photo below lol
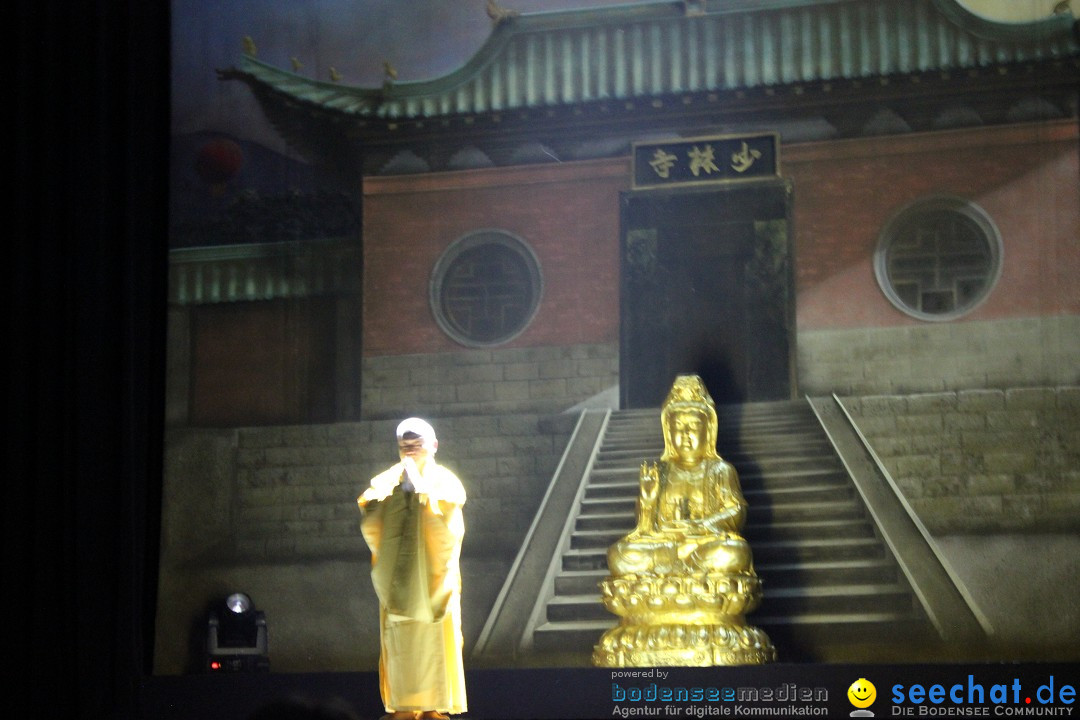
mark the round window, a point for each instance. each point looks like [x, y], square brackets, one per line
[486, 288]
[938, 258]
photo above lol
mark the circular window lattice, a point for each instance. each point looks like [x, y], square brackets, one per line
[486, 288]
[939, 258]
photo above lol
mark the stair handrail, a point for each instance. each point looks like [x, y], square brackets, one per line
[548, 586]
[879, 467]
[485, 637]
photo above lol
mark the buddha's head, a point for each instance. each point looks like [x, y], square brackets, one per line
[689, 423]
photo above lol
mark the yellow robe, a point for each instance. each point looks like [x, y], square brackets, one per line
[415, 541]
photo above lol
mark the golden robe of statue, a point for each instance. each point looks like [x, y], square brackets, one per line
[683, 579]
[414, 532]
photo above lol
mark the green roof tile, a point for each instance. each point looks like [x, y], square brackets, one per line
[637, 51]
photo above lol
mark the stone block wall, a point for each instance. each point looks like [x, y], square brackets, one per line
[488, 382]
[283, 494]
[981, 460]
[933, 357]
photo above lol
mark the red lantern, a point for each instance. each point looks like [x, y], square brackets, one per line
[218, 162]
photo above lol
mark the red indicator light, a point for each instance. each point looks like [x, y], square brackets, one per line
[215, 665]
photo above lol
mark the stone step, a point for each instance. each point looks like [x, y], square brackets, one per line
[860, 527]
[726, 414]
[793, 511]
[763, 450]
[732, 417]
[773, 512]
[626, 485]
[653, 440]
[632, 447]
[847, 599]
[727, 427]
[754, 477]
[746, 469]
[810, 493]
[622, 523]
[583, 537]
[652, 437]
[764, 552]
[773, 575]
[779, 490]
[757, 527]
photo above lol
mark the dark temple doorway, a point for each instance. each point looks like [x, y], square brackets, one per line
[707, 289]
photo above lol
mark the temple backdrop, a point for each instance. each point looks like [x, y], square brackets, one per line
[322, 259]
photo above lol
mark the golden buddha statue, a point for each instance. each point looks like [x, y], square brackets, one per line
[683, 579]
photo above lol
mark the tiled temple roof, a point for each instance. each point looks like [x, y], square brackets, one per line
[668, 48]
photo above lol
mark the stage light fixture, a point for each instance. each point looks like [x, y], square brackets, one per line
[236, 637]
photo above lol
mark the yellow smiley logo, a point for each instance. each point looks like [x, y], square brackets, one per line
[862, 693]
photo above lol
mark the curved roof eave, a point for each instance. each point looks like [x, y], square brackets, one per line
[632, 51]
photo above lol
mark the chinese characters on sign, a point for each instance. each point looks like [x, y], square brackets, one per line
[723, 159]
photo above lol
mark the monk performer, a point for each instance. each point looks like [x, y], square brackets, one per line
[411, 520]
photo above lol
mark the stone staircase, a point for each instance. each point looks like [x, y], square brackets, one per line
[831, 583]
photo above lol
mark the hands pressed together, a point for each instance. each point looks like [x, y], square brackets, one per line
[411, 480]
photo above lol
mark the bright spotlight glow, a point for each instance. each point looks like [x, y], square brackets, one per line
[238, 603]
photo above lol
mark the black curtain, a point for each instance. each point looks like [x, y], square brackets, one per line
[85, 349]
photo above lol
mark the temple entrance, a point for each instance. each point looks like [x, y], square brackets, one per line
[707, 289]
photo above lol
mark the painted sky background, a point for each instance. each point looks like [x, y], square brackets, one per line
[423, 39]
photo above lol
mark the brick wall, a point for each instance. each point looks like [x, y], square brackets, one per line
[288, 493]
[567, 213]
[981, 460]
[482, 382]
[1023, 176]
[851, 339]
